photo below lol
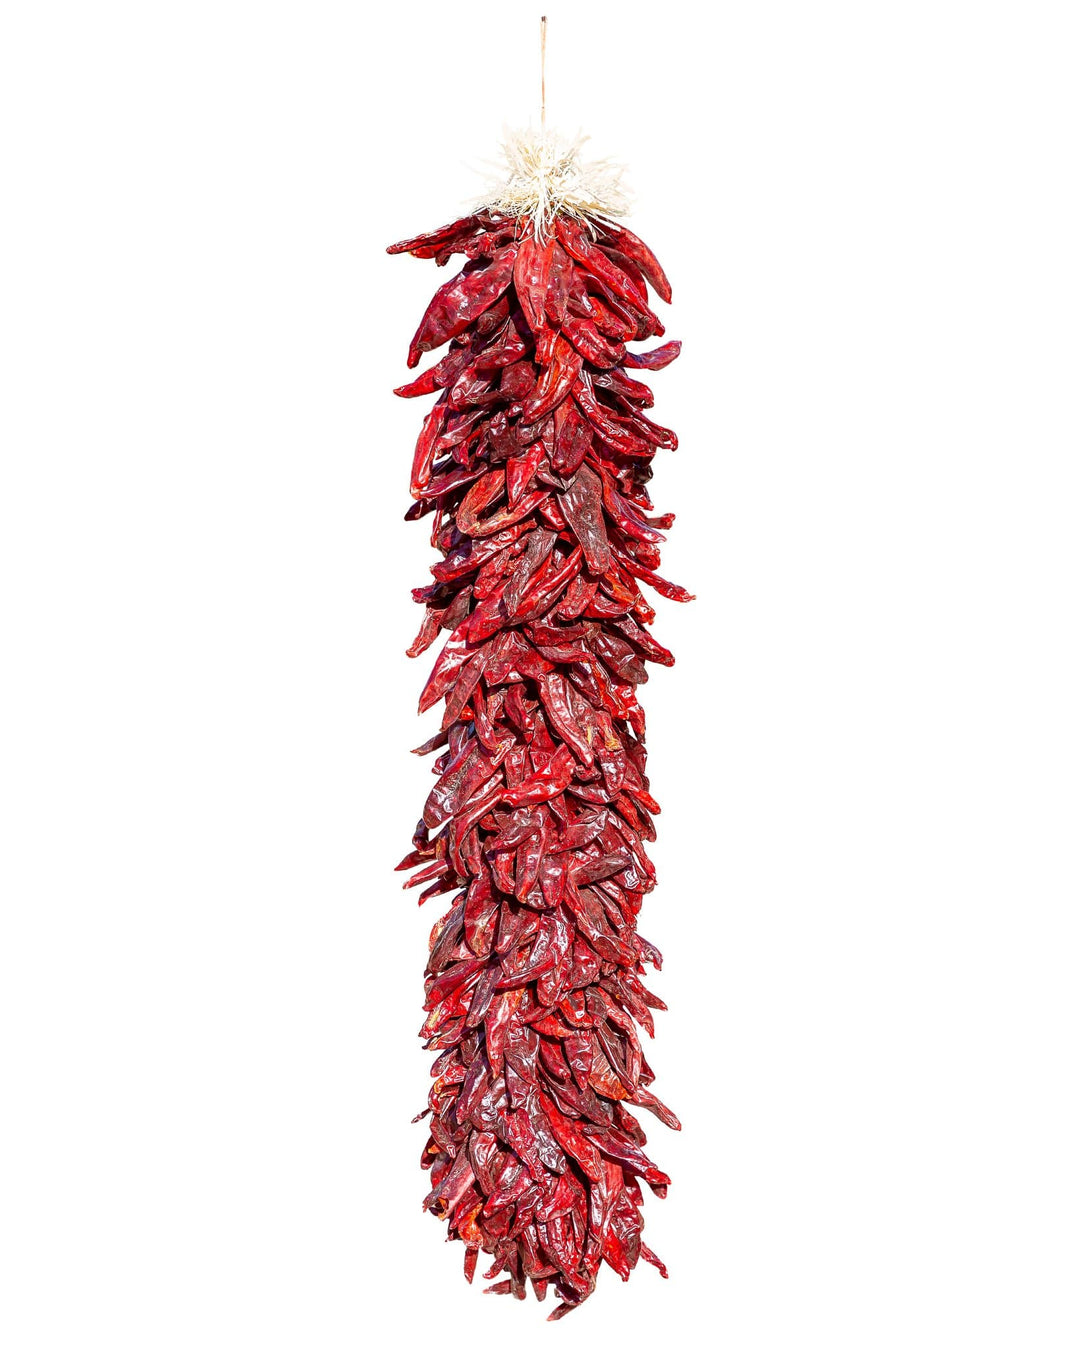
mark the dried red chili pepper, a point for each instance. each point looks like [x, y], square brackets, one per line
[533, 462]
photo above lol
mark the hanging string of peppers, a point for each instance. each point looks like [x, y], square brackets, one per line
[533, 464]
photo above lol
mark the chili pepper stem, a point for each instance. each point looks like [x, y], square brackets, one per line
[543, 176]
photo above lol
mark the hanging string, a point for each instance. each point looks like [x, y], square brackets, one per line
[543, 72]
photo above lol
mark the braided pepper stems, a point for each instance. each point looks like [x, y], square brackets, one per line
[533, 464]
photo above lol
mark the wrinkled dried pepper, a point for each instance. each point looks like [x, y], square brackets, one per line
[533, 465]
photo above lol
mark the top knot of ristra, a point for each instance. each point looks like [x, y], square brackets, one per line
[542, 175]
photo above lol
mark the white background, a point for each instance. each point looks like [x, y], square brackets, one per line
[867, 752]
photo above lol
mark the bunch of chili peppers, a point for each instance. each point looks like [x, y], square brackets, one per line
[533, 464]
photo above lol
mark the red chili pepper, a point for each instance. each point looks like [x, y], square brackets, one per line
[532, 463]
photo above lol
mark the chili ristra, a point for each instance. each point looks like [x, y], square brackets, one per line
[533, 465]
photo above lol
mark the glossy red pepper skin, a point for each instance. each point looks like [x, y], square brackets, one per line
[533, 463]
